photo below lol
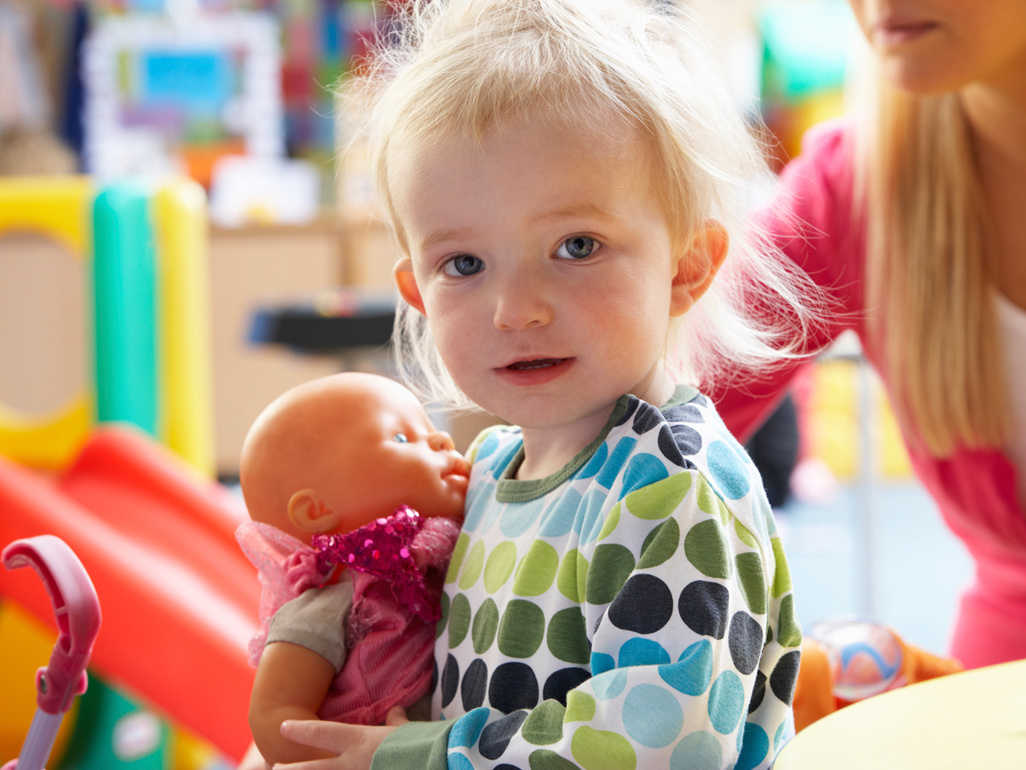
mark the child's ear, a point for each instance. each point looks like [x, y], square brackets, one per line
[407, 283]
[697, 265]
[309, 514]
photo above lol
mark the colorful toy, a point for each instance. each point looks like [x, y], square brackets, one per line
[146, 247]
[77, 611]
[848, 659]
[330, 523]
[159, 544]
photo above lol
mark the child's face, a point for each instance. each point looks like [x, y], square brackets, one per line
[545, 264]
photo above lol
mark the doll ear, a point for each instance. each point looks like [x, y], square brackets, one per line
[309, 514]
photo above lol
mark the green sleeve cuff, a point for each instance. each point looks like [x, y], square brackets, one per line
[415, 746]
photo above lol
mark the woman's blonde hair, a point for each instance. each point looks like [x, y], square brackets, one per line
[466, 67]
[929, 270]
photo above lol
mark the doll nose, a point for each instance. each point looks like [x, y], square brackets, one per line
[440, 441]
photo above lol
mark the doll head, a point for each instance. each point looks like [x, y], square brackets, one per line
[335, 453]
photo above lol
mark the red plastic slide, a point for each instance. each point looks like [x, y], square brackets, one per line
[179, 599]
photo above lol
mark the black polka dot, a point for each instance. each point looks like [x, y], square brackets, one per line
[745, 642]
[703, 606]
[685, 413]
[675, 441]
[784, 676]
[497, 735]
[505, 766]
[632, 404]
[643, 606]
[563, 681]
[758, 691]
[513, 686]
[450, 680]
[472, 690]
[646, 419]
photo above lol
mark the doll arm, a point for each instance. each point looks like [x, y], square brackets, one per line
[291, 682]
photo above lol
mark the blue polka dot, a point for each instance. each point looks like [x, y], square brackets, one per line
[459, 762]
[643, 652]
[559, 518]
[517, 519]
[589, 520]
[697, 751]
[609, 684]
[693, 672]
[642, 470]
[476, 509]
[467, 729]
[622, 451]
[726, 702]
[601, 663]
[489, 445]
[595, 463]
[652, 716]
[779, 736]
[728, 470]
[754, 749]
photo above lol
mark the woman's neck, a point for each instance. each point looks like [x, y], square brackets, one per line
[998, 121]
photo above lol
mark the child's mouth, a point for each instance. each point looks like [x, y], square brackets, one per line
[538, 363]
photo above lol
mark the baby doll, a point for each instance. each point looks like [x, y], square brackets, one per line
[355, 499]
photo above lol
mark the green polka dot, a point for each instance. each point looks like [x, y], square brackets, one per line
[705, 496]
[521, 629]
[472, 566]
[745, 534]
[753, 583]
[660, 545]
[544, 725]
[789, 631]
[659, 500]
[781, 572]
[706, 548]
[612, 519]
[442, 621]
[580, 707]
[457, 557]
[537, 570]
[567, 637]
[602, 750]
[499, 566]
[611, 565]
[459, 620]
[544, 759]
[486, 622]
[566, 578]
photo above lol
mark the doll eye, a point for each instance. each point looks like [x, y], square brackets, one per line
[400, 438]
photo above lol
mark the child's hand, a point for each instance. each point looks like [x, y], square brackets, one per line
[354, 744]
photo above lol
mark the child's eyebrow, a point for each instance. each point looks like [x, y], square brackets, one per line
[575, 211]
[441, 236]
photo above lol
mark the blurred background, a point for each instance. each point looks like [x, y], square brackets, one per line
[180, 243]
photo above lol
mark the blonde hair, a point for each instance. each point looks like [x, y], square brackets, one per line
[929, 286]
[467, 67]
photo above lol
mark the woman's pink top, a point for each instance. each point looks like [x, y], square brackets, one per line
[812, 222]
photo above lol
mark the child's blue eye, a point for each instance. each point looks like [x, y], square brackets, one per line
[400, 438]
[463, 265]
[577, 247]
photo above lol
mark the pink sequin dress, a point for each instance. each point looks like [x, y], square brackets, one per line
[397, 565]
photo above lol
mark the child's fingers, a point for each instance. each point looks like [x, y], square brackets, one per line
[396, 716]
[329, 736]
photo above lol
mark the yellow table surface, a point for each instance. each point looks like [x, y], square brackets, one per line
[976, 719]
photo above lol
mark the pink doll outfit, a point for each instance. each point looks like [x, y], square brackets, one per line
[396, 564]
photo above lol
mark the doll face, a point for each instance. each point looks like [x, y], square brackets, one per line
[387, 454]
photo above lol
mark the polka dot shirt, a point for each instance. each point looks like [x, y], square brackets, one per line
[632, 611]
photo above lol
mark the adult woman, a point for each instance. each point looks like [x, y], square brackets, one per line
[913, 221]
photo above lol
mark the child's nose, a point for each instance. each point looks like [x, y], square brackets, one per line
[522, 302]
[440, 441]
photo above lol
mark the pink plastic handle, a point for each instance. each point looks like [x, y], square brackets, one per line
[77, 610]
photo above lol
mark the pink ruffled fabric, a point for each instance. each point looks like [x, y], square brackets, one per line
[397, 564]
